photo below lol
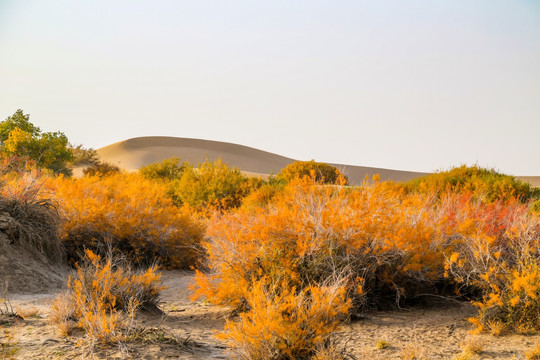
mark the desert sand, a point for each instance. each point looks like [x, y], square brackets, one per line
[436, 331]
[134, 153]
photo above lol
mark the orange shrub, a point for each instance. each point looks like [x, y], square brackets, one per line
[285, 324]
[322, 172]
[103, 298]
[388, 246]
[499, 254]
[129, 214]
[378, 239]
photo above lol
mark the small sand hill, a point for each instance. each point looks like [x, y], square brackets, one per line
[134, 153]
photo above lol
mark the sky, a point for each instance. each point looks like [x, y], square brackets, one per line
[417, 85]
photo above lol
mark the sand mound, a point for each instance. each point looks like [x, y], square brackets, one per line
[26, 272]
[134, 153]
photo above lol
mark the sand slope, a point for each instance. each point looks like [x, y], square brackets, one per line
[134, 153]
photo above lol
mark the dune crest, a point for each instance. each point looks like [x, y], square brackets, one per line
[134, 153]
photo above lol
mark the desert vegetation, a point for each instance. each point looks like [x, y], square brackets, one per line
[296, 256]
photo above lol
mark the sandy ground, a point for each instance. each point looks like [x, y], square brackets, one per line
[435, 332]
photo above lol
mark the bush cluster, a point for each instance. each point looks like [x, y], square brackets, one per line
[384, 244]
[129, 214]
[488, 184]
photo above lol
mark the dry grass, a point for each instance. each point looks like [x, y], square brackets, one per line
[27, 313]
[103, 298]
[32, 221]
[473, 344]
[412, 352]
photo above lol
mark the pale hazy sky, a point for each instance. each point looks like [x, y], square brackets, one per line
[414, 85]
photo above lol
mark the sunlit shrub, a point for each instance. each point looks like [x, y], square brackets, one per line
[391, 246]
[264, 194]
[500, 256]
[285, 324]
[534, 353]
[324, 173]
[103, 298]
[480, 182]
[381, 241]
[212, 185]
[168, 169]
[129, 214]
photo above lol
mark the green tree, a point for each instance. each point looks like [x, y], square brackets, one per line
[21, 139]
[18, 120]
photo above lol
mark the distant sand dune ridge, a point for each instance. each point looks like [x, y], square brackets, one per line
[134, 153]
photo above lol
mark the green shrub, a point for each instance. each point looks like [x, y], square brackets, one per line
[213, 185]
[486, 183]
[168, 169]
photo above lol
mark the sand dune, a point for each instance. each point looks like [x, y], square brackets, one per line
[134, 153]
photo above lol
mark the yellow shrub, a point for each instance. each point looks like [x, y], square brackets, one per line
[309, 233]
[128, 213]
[103, 298]
[534, 353]
[501, 257]
[285, 324]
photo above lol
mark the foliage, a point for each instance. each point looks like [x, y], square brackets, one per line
[386, 245]
[285, 324]
[20, 138]
[534, 353]
[168, 169]
[103, 298]
[83, 156]
[213, 185]
[324, 173]
[487, 183]
[30, 219]
[101, 169]
[129, 214]
[18, 121]
[264, 194]
[374, 236]
[500, 256]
